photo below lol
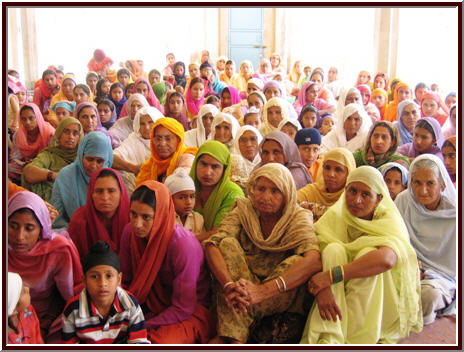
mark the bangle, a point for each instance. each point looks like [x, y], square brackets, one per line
[337, 274]
[49, 176]
[283, 283]
[227, 284]
[278, 286]
[331, 279]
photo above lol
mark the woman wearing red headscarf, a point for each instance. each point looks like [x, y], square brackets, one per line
[433, 106]
[163, 266]
[105, 214]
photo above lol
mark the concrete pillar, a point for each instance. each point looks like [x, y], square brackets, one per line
[269, 31]
[13, 53]
[223, 32]
[29, 46]
[386, 40]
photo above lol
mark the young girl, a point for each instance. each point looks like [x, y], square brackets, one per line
[252, 118]
[328, 122]
[107, 112]
[63, 109]
[289, 127]
[65, 93]
[179, 74]
[182, 189]
[396, 178]
[47, 87]
[213, 99]
[380, 81]
[401, 92]
[123, 77]
[82, 94]
[432, 105]
[379, 98]
[91, 79]
[116, 95]
[449, 155]
[128, 90]
[23, 323]
[309, 117]
[103, 89]
[175, 108]
[229, 97]
[195, 96]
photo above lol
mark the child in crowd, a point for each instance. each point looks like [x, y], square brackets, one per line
[116, 95]
[252, 118]
[213, 99]
[182, 189]
[63, 109]
[103, 312]
[129, 89]
[23, 323]
[328, 122]
[396, 177]
[308, 141]
[107, 112]
[309, 116]
[290, 127]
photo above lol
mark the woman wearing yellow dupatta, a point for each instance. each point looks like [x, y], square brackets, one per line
[337, 164]
[167, 151]
[369, 289]
[66, 93]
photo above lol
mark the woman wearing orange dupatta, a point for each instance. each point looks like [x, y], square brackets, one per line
[167, 150]
[402, 92]
[163, 266]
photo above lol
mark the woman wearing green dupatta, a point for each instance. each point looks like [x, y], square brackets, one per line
[381, 145]
[215, 192]
[40, 173]
[369, 289]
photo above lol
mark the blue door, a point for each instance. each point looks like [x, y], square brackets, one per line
[246, 35]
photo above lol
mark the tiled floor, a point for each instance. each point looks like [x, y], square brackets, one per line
[442, 331]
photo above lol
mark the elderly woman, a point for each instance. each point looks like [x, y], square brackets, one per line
[38, 176]
[427, 139]
[246, 155]
[70, 188]
[163, 266]
[350, 132]
[381, 144]
[277, 147]
[330, 183]
[135, 149]
[197, 136]
[104, 215]
[262, 254]
[215, 192]
[48, 262]
[428, 208]
[408, 114]
[369, 290]
[224, 129]
[167, 151]
[124, 126]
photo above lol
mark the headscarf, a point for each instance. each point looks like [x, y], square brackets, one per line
[256, 81]
[183, 118]
[388, 229]
[382, 92]
[46, 131]
[87, 227]
[151, 99]
[392, 165]
[432, 232]
[441, 116]
[53, 262]
[72, 181]
[384, 76]
[180, 80]
[294, 123]
[99, 127]
[136, 96]
[368, 74]
[99, 61]
[118, 104]
[240, 132]
[15, 285]
[448, 128]
[68, 105]
[68, 155]
[368, 155]
[275, 84]
[221, 153]
[301, 100]
[234, 126]
[197, 137]
[294, 226]
[153, 167]
[147, 258]
[317, 192]
[234, 96]
[342, 100]
[337, 137]
[405, 135]
[218, 85]
[159, 88]
[44, 90]
[193, 106]
[60, 95]
[299, 171]
[266, 127]
[392, 108]
[364, 88]
[114, 115]
[310, 107]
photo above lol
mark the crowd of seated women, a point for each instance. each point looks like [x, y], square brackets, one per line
[213, 206]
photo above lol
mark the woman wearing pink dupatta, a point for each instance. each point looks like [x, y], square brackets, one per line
[33, 135]
[48, 262]
[90, 224]
[148, 94]
[194, 102]
[232, 99]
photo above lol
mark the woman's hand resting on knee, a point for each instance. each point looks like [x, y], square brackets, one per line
[328, 308]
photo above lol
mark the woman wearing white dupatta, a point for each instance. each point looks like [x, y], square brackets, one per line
[197, 136]
[345, 133]
[242, 161]
[133, 152]
[428, 207]
[224, 129]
